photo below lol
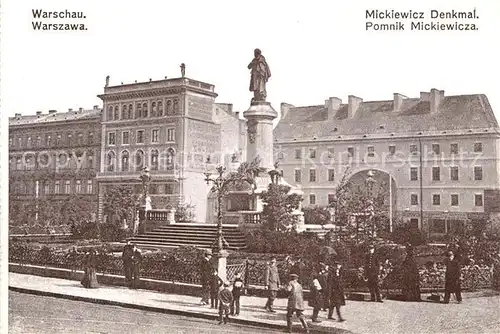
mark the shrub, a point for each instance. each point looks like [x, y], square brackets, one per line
[403, 234]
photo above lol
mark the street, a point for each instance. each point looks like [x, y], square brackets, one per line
[37, 314]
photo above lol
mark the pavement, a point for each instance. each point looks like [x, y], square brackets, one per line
[479, 312]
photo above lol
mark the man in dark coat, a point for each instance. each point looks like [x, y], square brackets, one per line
[272, 283]
[128, 265]
[206, 274]
[452, 278]
[336, 293]
[411, 277]
[137, 259]
[372, 271]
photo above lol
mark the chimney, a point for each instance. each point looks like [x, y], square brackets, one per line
[18, 115]
[398, 101]
[285, 108]
[353, 106]
[237, 114]
[52, 111]
[333, 105]
[38, 113]
[96, 107]
[70, 109]
[436, 98]
[230, 107]
[80, 109]
[424, 96]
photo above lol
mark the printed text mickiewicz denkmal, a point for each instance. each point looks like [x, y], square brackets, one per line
[392, 14]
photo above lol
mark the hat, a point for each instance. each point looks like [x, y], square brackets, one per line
[294, 276]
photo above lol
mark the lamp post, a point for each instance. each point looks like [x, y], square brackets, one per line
[146, 180]
[370, 181]
[219, 243]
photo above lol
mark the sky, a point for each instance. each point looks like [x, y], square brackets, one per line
[315, 50]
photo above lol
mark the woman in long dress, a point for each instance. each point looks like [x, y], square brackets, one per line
[411, 277]
[89, 280]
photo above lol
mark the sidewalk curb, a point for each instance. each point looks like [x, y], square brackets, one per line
[146, 308]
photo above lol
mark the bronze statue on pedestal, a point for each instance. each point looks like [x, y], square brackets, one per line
[260, 73]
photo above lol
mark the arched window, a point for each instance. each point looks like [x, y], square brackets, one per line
[109, 115]
[117, 113]
[160, 108]
[138, 110]
[145, 109]
[125, 161]
[176, 106]
[130, 111]
[111, 161]
[170, 158]
[139, 160]
[169, 107]
[154, 160]
[153, 109]
[124, 112]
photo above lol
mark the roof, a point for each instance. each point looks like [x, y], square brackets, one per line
[462, 112]
[84, 114]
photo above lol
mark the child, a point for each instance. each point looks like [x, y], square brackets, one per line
[215, 284]
[237, 289]
[225, 299]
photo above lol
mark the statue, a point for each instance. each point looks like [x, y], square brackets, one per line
[183, 70]
[107, 81]
[260, 73]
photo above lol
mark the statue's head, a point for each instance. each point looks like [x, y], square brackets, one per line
[257, 52]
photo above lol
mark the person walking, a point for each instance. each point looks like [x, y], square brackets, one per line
[137, 259]
[237, 290]
[295, 303]
[336, 293]
[225, 301]
[215, 284]
[316, 301]
[452, 278]
[128, 264]
[89, 280]
[272, 283]
[411, 277]
[372, 272]
[206, 270]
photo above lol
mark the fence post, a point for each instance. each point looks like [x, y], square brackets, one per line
[246, 276]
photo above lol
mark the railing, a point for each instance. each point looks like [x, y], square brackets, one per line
[252, 218]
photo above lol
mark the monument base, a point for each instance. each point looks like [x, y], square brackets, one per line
[220, 258]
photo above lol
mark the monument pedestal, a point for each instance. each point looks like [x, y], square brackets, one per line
[220, 259]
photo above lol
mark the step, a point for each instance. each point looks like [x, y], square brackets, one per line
[186, 229]
[181, 235]
[208, 244]
[175, 245]
[235, 233]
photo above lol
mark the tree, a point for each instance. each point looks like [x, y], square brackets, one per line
[120, 202]
[279, 206]
[317, 215]
[184, 212]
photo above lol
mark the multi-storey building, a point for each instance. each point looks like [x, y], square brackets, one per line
[437, 156]
[173, 127]
[55, 154]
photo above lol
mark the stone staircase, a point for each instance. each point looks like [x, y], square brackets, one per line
[196, 235]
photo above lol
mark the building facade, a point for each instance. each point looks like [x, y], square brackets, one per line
[437, 156]
[54, 155]
[173, 127]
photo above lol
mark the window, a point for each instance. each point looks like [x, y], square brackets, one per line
[478, 147]
[436, 149]
[454, 149]
[125, 161]
[331, 152]
[19, 164]
[413, 149]
[90, 161]
[170, 159]
[413, 173]
[414, 223]
[46, 187]
[130, 111]
[371, 151]
[298, 153]
[169, 188]
[478, 173]
[312, 175]
[312, 153]
[38, 141]
[90, 187]
[160, 108]
[392, 149]
[281, 155]
[124, 112]
[80, 139]
[454, 173]
[176, 106]
[70, 136]
[154, 159]
[438, 226]
[170, 135]
[57, 187]
[116, 115]
[111, 138]
[169, 107]
[125, 138]
[298, 176]
[140, 137]
[331, 174]
[109, 115]
[350, 152]
[436, 174]
[28, 142]
[312, 199]
[138, 110]
[90, 138]
[11, 142]
[478, 200]
[331, 199]
[454, 200]
[436, 199]
[154, 136]
[48, 141]
[78, 186]
[139, 160]
[414, 199]
[19, 142]
[153, 109]
[58, 140]
[144, 110]
[67, 187]
[111, 161]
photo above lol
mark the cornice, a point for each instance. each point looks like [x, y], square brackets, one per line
[149, 93]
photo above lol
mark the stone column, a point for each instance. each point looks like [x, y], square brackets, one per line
[260, 118]
[171, 216]
[221, 263]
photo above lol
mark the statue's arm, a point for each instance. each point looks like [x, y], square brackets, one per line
[251, 64]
